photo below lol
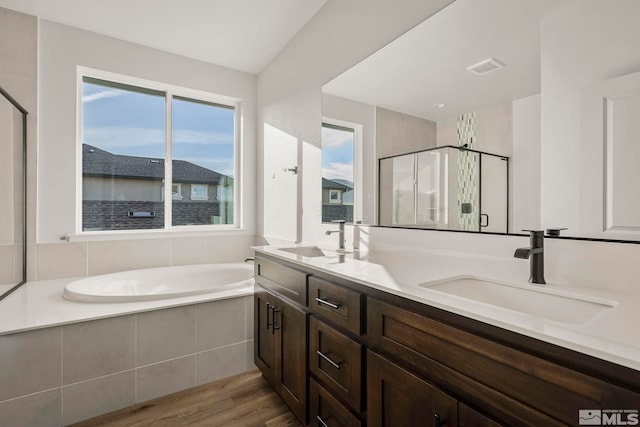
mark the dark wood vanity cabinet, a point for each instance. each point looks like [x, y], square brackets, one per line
[396, 397]
[280, 346]
[371, 358]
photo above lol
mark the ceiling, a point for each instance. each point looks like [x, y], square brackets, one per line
[243, 35]
[427, 65]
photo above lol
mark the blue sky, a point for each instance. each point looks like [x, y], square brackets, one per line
[131, 123]
[337, 154]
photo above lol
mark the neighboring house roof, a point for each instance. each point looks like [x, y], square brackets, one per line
[328, 184]
[97, 162]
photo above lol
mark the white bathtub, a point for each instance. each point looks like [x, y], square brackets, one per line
[160, 283]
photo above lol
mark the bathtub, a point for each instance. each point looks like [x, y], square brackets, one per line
[160, 283]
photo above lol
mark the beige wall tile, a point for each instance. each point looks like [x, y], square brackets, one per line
[249, 355]
[149, 253]
[96, 397]
[229, 248]
[165, 378]
[30, 362]
[36, 410]
[60, 260]
[221, 363]
[165, 334]
[189, 250]
[248, 310]
[220, 323]
[97, 348]
[110, 256]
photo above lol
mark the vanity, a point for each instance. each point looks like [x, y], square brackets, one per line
[342, 351]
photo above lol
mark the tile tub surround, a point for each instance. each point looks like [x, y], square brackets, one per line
[90, 258]
[63, 374]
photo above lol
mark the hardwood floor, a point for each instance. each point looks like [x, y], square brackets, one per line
[242, 400]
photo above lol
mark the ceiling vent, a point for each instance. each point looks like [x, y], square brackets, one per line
[486, 66]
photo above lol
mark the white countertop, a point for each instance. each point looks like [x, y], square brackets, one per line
[40, 304]
[612, 335]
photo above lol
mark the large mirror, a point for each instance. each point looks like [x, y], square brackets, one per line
[502, 115]
[12, 194]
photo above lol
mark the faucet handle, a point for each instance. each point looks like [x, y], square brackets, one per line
[554, 231]
[338, 221]
[535, 233]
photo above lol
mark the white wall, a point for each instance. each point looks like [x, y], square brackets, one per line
[289, 104]
[61, 50]
[584, 44]
[525, 165]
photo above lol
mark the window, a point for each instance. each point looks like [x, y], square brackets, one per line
[176, 192]
[137, 135]
[338, 145]
[199, 192]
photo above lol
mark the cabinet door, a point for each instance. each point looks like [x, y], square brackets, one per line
[337, 361]
[264, 350]
[291, 356]
[468, 417]
[398, 398]
[326, 411]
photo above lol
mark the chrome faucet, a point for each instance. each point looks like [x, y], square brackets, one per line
[535, 253]
[340, 232]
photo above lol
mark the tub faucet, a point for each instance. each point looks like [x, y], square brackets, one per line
[340, 232]
[535, 253]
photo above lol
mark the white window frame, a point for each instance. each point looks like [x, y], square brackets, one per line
[196, 197]
[336, 200]
[170, 91]
[358, 159]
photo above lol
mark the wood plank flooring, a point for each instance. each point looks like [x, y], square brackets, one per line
[242, 400]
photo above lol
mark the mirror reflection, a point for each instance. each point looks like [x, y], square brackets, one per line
[552, 85]
[12, 196]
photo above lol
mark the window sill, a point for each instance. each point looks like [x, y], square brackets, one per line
[93, 236]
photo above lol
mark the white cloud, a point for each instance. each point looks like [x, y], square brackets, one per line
[109, 138]
[101, 95]
[188, 136]
[332, 138]
[338, 171]
[113, 137]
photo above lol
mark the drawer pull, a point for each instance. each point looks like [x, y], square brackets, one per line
[328, 359]
[437, 421]
[269, 309]
[321, 421]
[274, 328]
[321, 301]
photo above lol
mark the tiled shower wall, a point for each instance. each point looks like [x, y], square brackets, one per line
[18, 74]
[61, 375]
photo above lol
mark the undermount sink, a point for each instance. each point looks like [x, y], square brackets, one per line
[542, 302]
[308, 251]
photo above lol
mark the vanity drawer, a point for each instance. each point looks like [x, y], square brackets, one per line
[337, 361]
[516, 383]
[326, 411]
[336, 303]
[286, 281]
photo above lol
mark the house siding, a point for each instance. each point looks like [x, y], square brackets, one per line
[114, 215]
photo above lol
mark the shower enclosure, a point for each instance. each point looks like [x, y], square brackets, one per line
[13, 237]
[447, 188]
